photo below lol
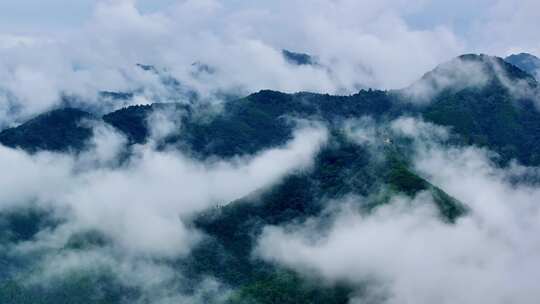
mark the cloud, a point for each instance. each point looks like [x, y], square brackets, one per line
[470, 71]
[359, 44]
[142, 203]
[513, 25]
[419, 130]
[403, 253]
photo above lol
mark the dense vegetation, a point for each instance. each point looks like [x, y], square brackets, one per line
[58, 130]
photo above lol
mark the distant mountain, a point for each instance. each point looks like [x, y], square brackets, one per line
[298, 58]
[525, 61]
[466, 72]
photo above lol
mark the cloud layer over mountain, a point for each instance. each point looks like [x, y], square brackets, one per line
[379, 44]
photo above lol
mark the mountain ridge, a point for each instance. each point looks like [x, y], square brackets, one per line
[525, 61]
[486, 115]
[459, 107]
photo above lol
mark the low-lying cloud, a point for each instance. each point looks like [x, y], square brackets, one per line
[138, 210]
[142, 203]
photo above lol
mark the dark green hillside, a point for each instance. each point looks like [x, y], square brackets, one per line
[58, 130]
[131, 121]
[248, 125]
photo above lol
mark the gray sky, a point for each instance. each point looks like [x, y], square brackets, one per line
[52, 15]
[462, 17]
[81, 47]
[39, 15]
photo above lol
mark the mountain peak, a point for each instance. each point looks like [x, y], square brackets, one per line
[525, 61]
[465, 72]
[298, 58]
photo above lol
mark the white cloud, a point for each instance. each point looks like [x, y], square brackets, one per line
[143, 204]
[419, 129]
[512, 23]
[361, 44]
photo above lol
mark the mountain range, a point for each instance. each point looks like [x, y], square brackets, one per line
[484, 101]
[527, 62]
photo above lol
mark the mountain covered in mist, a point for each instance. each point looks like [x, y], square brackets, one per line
[525, 61]
[372, 142]
[298, 58]
[458, 97]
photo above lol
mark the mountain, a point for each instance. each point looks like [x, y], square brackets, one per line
[525, 61]
[298, 58]
[250, 124]
[470, 71]
[473, 95]
[58, 130]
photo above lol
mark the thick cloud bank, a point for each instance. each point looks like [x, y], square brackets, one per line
[404, 253]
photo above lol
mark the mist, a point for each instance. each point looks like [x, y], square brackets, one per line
[140, 209]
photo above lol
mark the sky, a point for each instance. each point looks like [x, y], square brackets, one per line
[57, 15]
[460, 16]
[31, 16]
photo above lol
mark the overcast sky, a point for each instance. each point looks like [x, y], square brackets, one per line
[37, 15]
[462, 17]
[52, 15]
